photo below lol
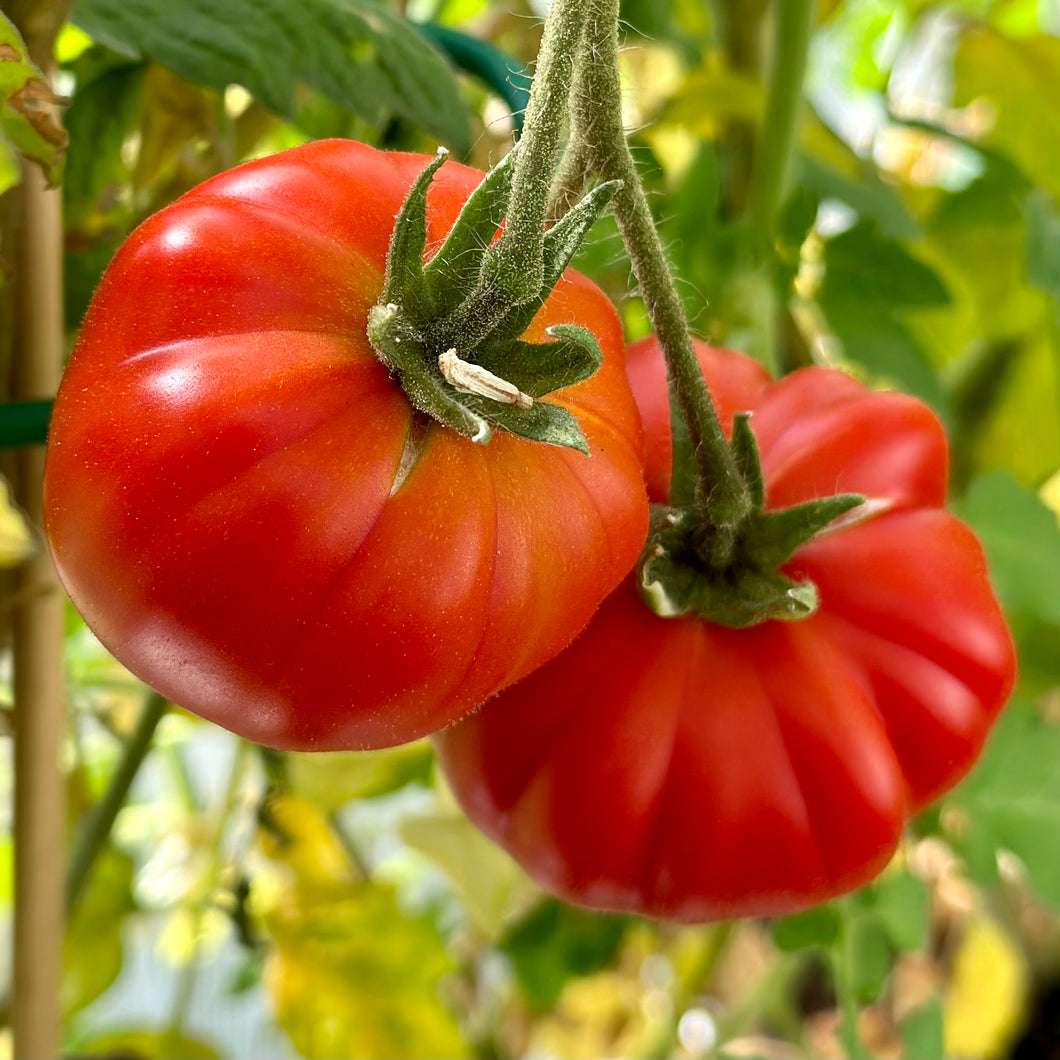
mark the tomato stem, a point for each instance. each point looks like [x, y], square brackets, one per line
[516, 262]
[776, 140]
[597, 134]
[94, 831]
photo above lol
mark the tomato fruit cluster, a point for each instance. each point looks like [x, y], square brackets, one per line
[680, 769]
[249, 513]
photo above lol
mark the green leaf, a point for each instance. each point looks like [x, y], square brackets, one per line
[556, 942]
[496, 69]
[861, 188]
[871, 283]
[980, 233]
[794, 225]
[901, 904]
[882, 271]
[354, 52]
[1022, 542]
[1039, 660]
[866, 952]
[29, 114]
[815, 927]
[1043, 243]
[93, 943]
[1021, 80]
[10, 170]
[103, 113]
[1012, 800]
[331, 779]
[649, 18]
[983, 239]
[921, 1030]
[492, 887]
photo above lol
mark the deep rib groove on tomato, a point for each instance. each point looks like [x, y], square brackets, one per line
[250, 515]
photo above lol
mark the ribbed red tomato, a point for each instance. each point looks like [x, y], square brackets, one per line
[244, 507]
[675, 768]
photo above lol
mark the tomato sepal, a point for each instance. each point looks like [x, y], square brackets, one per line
[744, 448]
[773, 537]
[690, 566]
[456, 352]
[538, 368]
[469, 398]
[674, 581]
[455, 268]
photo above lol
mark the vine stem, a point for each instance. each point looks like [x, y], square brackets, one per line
[96, 829]
[513, 270]
[596, 119]
[518, 255]
[795, 21]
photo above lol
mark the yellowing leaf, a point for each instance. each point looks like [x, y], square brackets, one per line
[177, 116]
[29, 110]
[601, 1015]
[495, 891]
[1020, 79]
[356, 977]
[653, 74]
[713, 97]
[17, 543]
[986, 995]
[301, 839]
[145, 1043]
[93, 943]
[350, 973]
[330, 779]
[1050, 494]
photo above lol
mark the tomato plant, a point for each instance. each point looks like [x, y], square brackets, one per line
[250, 514]
[682, 769]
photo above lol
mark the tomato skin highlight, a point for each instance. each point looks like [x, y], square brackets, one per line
[675, 768]
[224, 490]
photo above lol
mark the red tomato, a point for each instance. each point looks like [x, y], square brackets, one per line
[229, 494]
[679, 769]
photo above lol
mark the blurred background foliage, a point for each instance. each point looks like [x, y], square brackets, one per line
[243, 903]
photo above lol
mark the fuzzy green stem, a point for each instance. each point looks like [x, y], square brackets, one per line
[571, 180]
[96, 829]
[847, 1003]
[518, 256]
[513, 270]
[596, 119]
[795, 20]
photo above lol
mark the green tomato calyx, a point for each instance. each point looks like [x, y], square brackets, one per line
[729, 574]
[449, 328]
